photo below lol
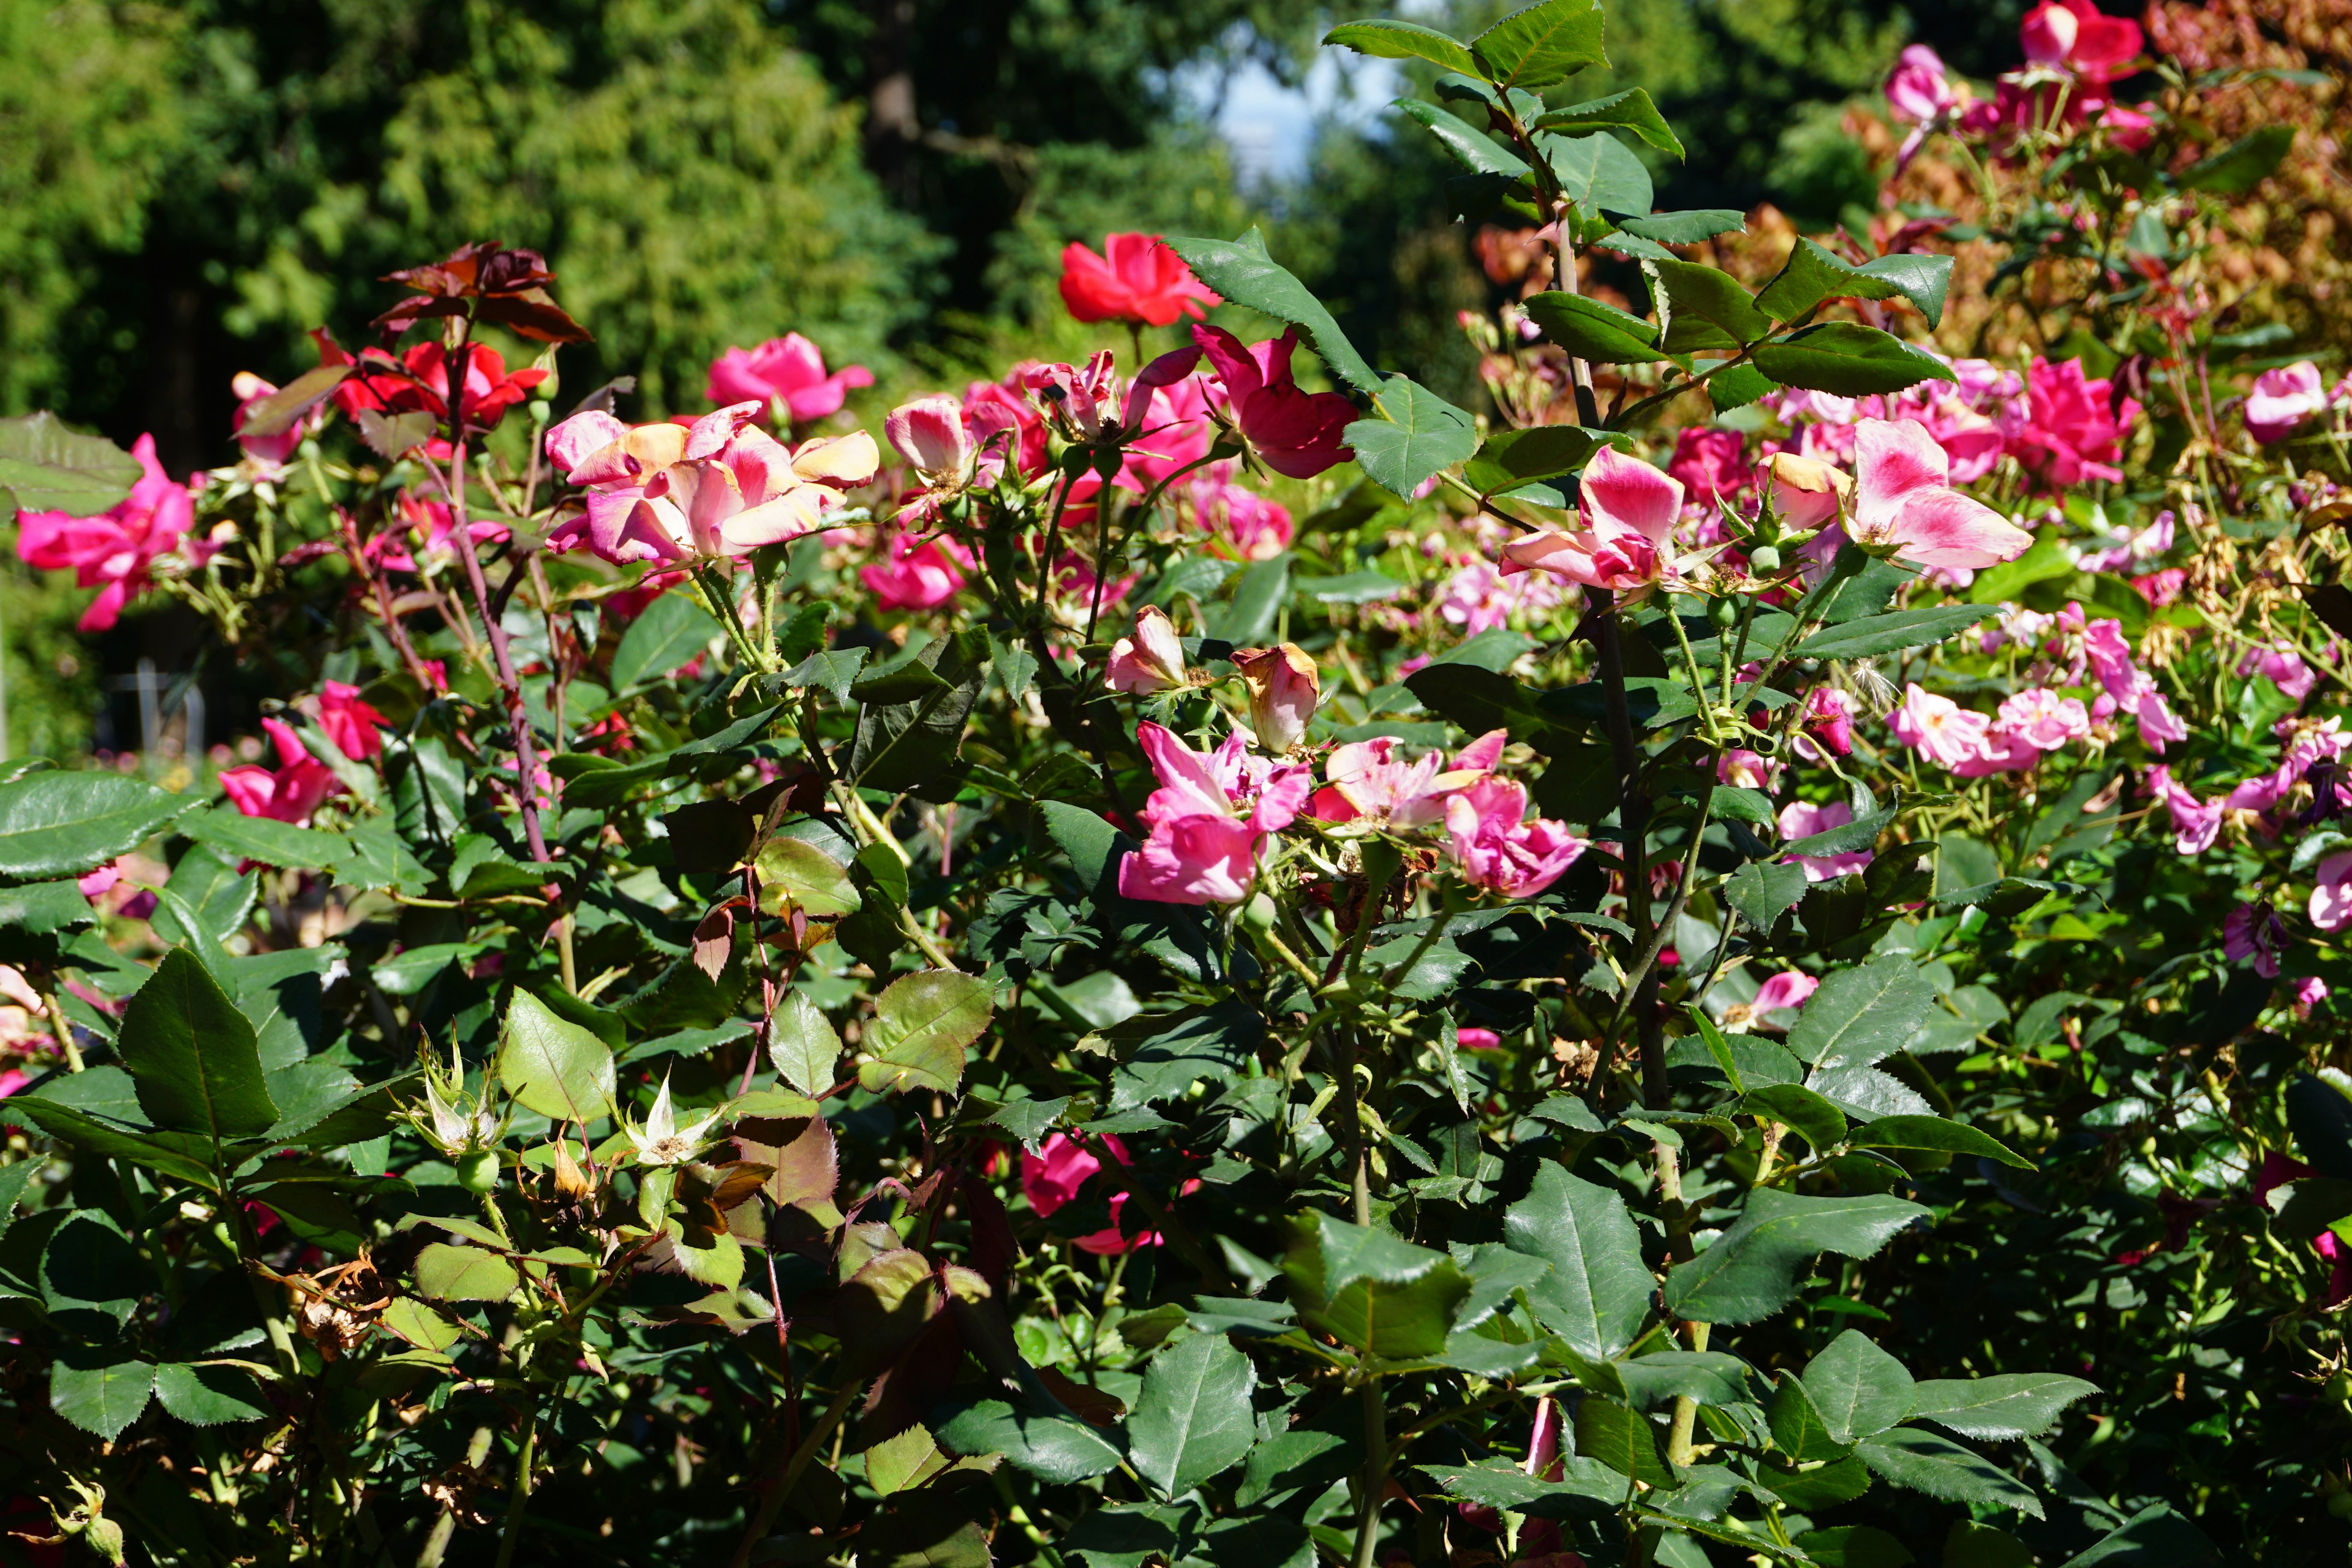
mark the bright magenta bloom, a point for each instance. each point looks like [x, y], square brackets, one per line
[1904, 504]
[1293, 431]
[1498, 848]
[2195, 823]
[349, 721]
[918, 574]
[2075, 433]
[1628, 510]
[1802, 819]
[787, 372]
[289, 794]
[1920, 89]
[2076, 36]
[1138, 278]
[1708, 463]
[115, 548]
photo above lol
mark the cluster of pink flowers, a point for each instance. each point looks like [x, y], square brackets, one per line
[1478, 598]
[2312, 760]
[2076, 54]
[715, 489]
[2040, 718]
[115, 551]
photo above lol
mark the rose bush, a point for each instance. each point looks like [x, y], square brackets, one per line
[1212, 958]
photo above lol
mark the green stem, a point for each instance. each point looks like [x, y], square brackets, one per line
[771, 1501]
[519, 1496]
[1376, 1475]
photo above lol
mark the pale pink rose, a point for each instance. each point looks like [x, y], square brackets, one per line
[1938, 728]
[2283, 399]
[1746, 769]
[1628, 510]
[1904, 504]
[930, 434]
[1498, 849]
[1152, 660]
[1368, 783]
[1802, 819]
[1207, 819]
[2042, 719]
[1478, 597]
[2309, 993]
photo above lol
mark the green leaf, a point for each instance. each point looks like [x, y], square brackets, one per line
[1590, 329]
[1763, 890]
[1468, 145]
[1794, 1106]
[210, 888]
[2155, 1537]
[1874, 635]
[209, 1395]
[1858, 1388]
[2242, 164]
[1242, 271]
[36, 921]
[2010, 1404]
[804, 1045]
[1058, 1449]
[1846, 359]
[1258, 596]
[1943, 1469]
[195, 1058]
[1512, 459]
[2049, 558]
[922, 1022]
[1598, 173]
[1597, 1296]
[1193, 1419]
[1587, 1488]
[1391, 40]
[1369, 586]
[552, 1066]
[1798, 1429]
[1703, 1377]
[1621, 1440]
[449, 1273]
[811, 878]
[1686, 228]
[45, 467]
[1860, 1015]
[98, 1394]
[1631, 110]
[262, 838]
[831, 671]
[1936, 1132]
[1748, 1272]
[1812, 275]
[1737, 386]
[1131, 1535]
[1860, 1546]
[913, 746]
[177, 1154]
[1697, 296]
[1545, 43]
[671, 631]
[1418, 434]
[1367, 1288]
[57, 823]
[1846, 836]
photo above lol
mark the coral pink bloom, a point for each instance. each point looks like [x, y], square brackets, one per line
[1294, 432]
[114, 548]
[1284, 688]
[1138, 278]
[1710, 463]
[2195, 823]
[1803, 492]
[1904, 504]
[2073, 432]
[1802, 819]
[2076, 36]
[787, 371]
[917, 573]
[1628, 510]
[2283, 399]
[1938, 728]
[2331, 900]
[1498, 849]
[289, 794]
[1152, 660]
[1192, 860]
[349, 720]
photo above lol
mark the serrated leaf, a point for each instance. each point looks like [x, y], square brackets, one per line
[923, 1024]
[1794, 1106]
[1621, 1440]
[1858, 1388]
[196, 1058]
[1055, 1449]
[1891, 633]
[59, 824]
[209, 1395]
[1590, 329]
[1598, 173]
[814, 880]
[1938, 1133]
[1597, 1295]
[1860, 1015]
[1417, 435]
[1469, 146]
[1542, 43]
[45, 467]
[1391, 40]
[1242, 271]
[1194, 1418]
[1367, 1288]
[553, 1065]
[450, 1273]
[1943, 1469]
[804, 1045]
[262, 838]
[1848, 360]
[1812, 275]
[1513, 459]
[671, 631]
[1696, 294]
[1630, 109]
[1749, 1271]
[100, 1395]
[1763, 890]
[2009, 1404]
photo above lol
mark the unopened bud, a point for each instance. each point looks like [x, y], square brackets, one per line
[1283, 690]
[1764, 558]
